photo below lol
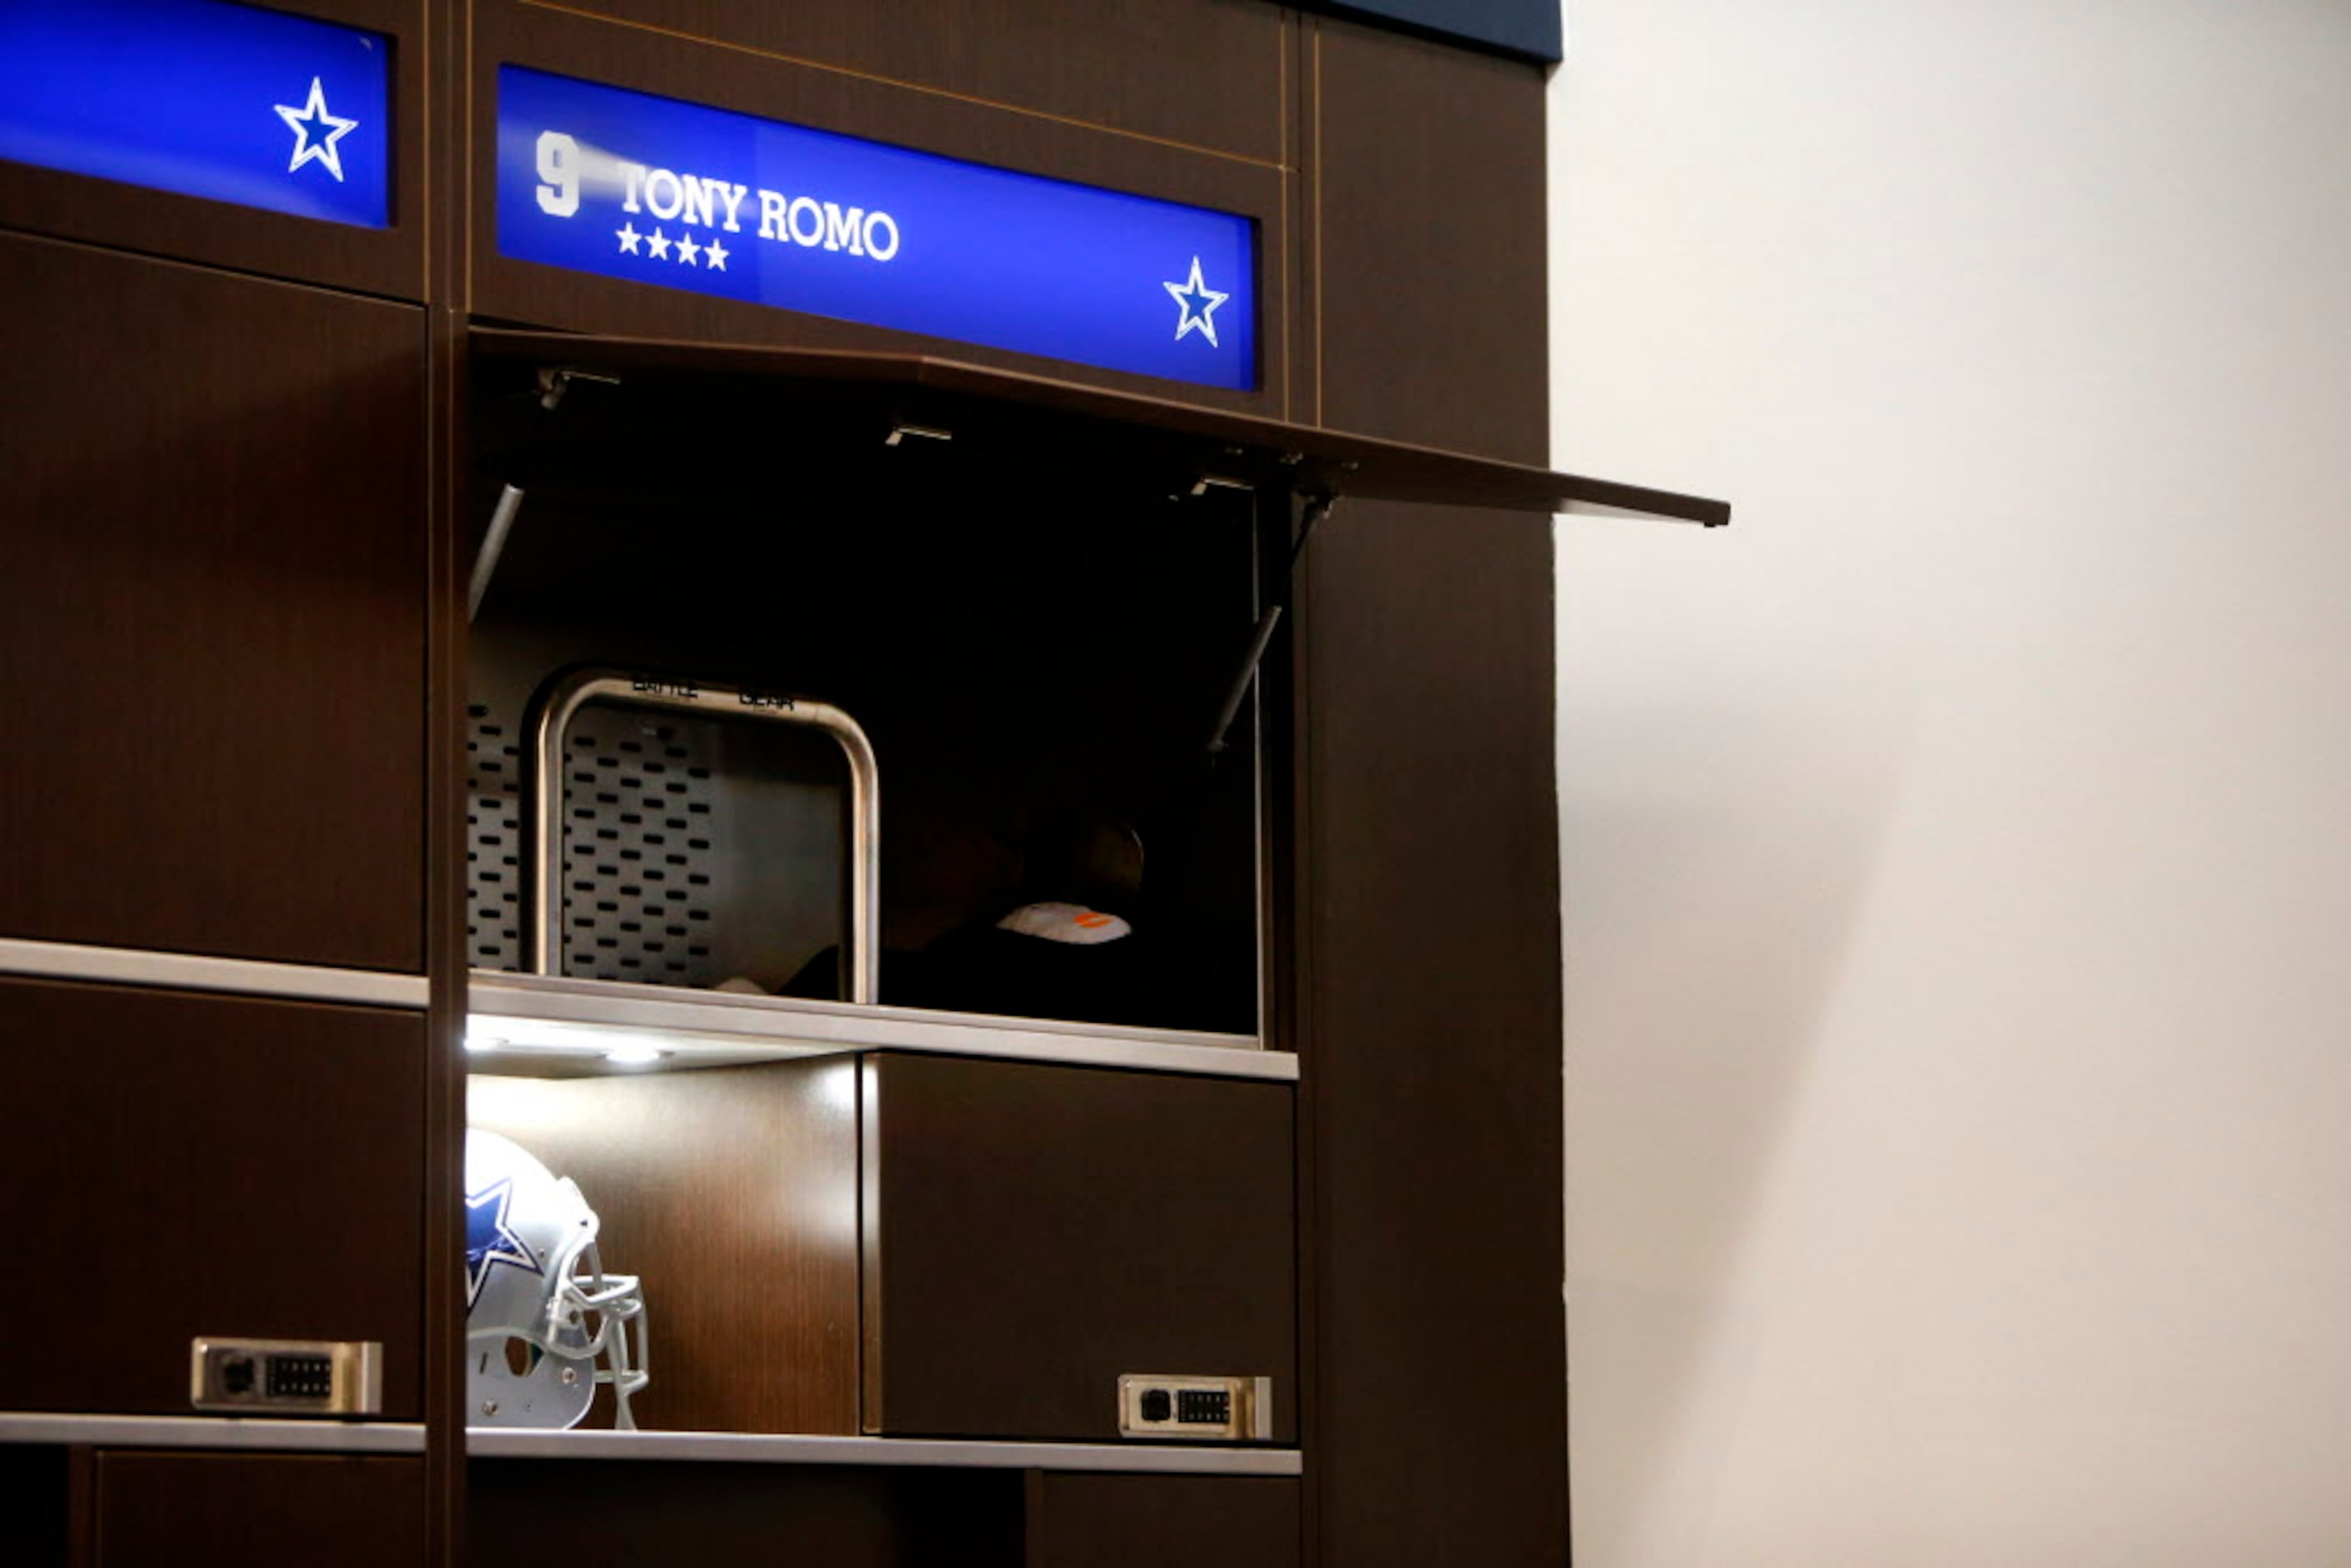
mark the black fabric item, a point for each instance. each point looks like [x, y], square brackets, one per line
[1135, 981]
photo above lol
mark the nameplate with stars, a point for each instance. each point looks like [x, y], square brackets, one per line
[678, 195]
[203, 97]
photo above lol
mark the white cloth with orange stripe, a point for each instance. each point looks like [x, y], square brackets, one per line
[1072, 922]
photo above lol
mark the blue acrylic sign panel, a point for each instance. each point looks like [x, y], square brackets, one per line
[206, 98]
[651, 190]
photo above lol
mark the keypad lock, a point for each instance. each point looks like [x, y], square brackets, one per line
[1198, 1409]
[287, 1377]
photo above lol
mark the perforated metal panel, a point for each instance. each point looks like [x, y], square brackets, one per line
[651, 893]
[636, 852]
[637, 861]
[493, 863]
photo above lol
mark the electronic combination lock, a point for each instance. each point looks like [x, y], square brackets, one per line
[1230, 1409]
[286, 1376]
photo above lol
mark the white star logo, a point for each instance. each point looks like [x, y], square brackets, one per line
[715, 255]
[1197, 302]
[687, 250]
[629, 236]
[310, 144]
[659, 244]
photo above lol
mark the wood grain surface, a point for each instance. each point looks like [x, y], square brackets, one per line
[742, 1516]
[1427, 978]
[1428, 218]
[214, 500]
[1432, 1042]
[732, 1192]
[1032, 1233]
[1201, 73]
[1162, 1521]
[257, 1511]
[180, 1164]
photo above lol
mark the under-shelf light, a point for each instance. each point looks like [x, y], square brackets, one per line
[525, 1036]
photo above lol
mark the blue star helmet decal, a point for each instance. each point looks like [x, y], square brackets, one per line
[1198, 303]
[488, 1241]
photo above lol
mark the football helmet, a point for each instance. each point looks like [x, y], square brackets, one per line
[540, 1312]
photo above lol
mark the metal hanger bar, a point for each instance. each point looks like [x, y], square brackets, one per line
[550, 724]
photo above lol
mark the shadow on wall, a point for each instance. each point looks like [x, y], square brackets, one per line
[1705, 1039]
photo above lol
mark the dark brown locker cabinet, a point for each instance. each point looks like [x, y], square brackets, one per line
[1083, 1520]
[1032, 1233]
[256, 1511]
[732, 1193]
[212, 490]
[183, 1165]
[533, 1512]
[990, 1244]
[1430, 989]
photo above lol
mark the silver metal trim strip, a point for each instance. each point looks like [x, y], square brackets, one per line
[747, 1448]
[214, 1432]
[198, 972]
[744, 1027]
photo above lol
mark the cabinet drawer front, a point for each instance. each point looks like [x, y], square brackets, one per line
[215, 634]
[1162, 1521]
[1031, 1233]
[183, 1165]
[258, 1511]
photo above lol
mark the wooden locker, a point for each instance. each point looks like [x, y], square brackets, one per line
[532, 1512]
[1429, 984]
[256, 1511]
[1082, 1521]
[183, 1165]
[1031, 1233]
[215, 639]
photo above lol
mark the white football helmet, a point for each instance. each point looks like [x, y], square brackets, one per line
[540, 1308]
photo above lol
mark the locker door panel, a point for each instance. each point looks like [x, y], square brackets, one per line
[1032, 1233]
[212, 490]
[258, 1511]
[1077, 1520]
[183, 1165]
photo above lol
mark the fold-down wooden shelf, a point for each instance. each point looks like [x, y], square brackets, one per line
[1073, 427]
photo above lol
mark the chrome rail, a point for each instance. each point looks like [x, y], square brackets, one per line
[550, 721]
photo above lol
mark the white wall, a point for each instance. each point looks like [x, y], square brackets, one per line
[1958, 849]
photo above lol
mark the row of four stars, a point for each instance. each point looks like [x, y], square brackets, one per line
[659, 243]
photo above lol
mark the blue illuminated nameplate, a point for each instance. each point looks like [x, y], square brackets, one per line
[203, 97]
[654, 191]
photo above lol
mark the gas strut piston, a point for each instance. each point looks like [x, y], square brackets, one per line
[550, 721]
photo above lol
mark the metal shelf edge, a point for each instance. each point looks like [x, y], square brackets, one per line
[712, 1026]
[214, 1432]
[202, 972]
[747, 1448]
